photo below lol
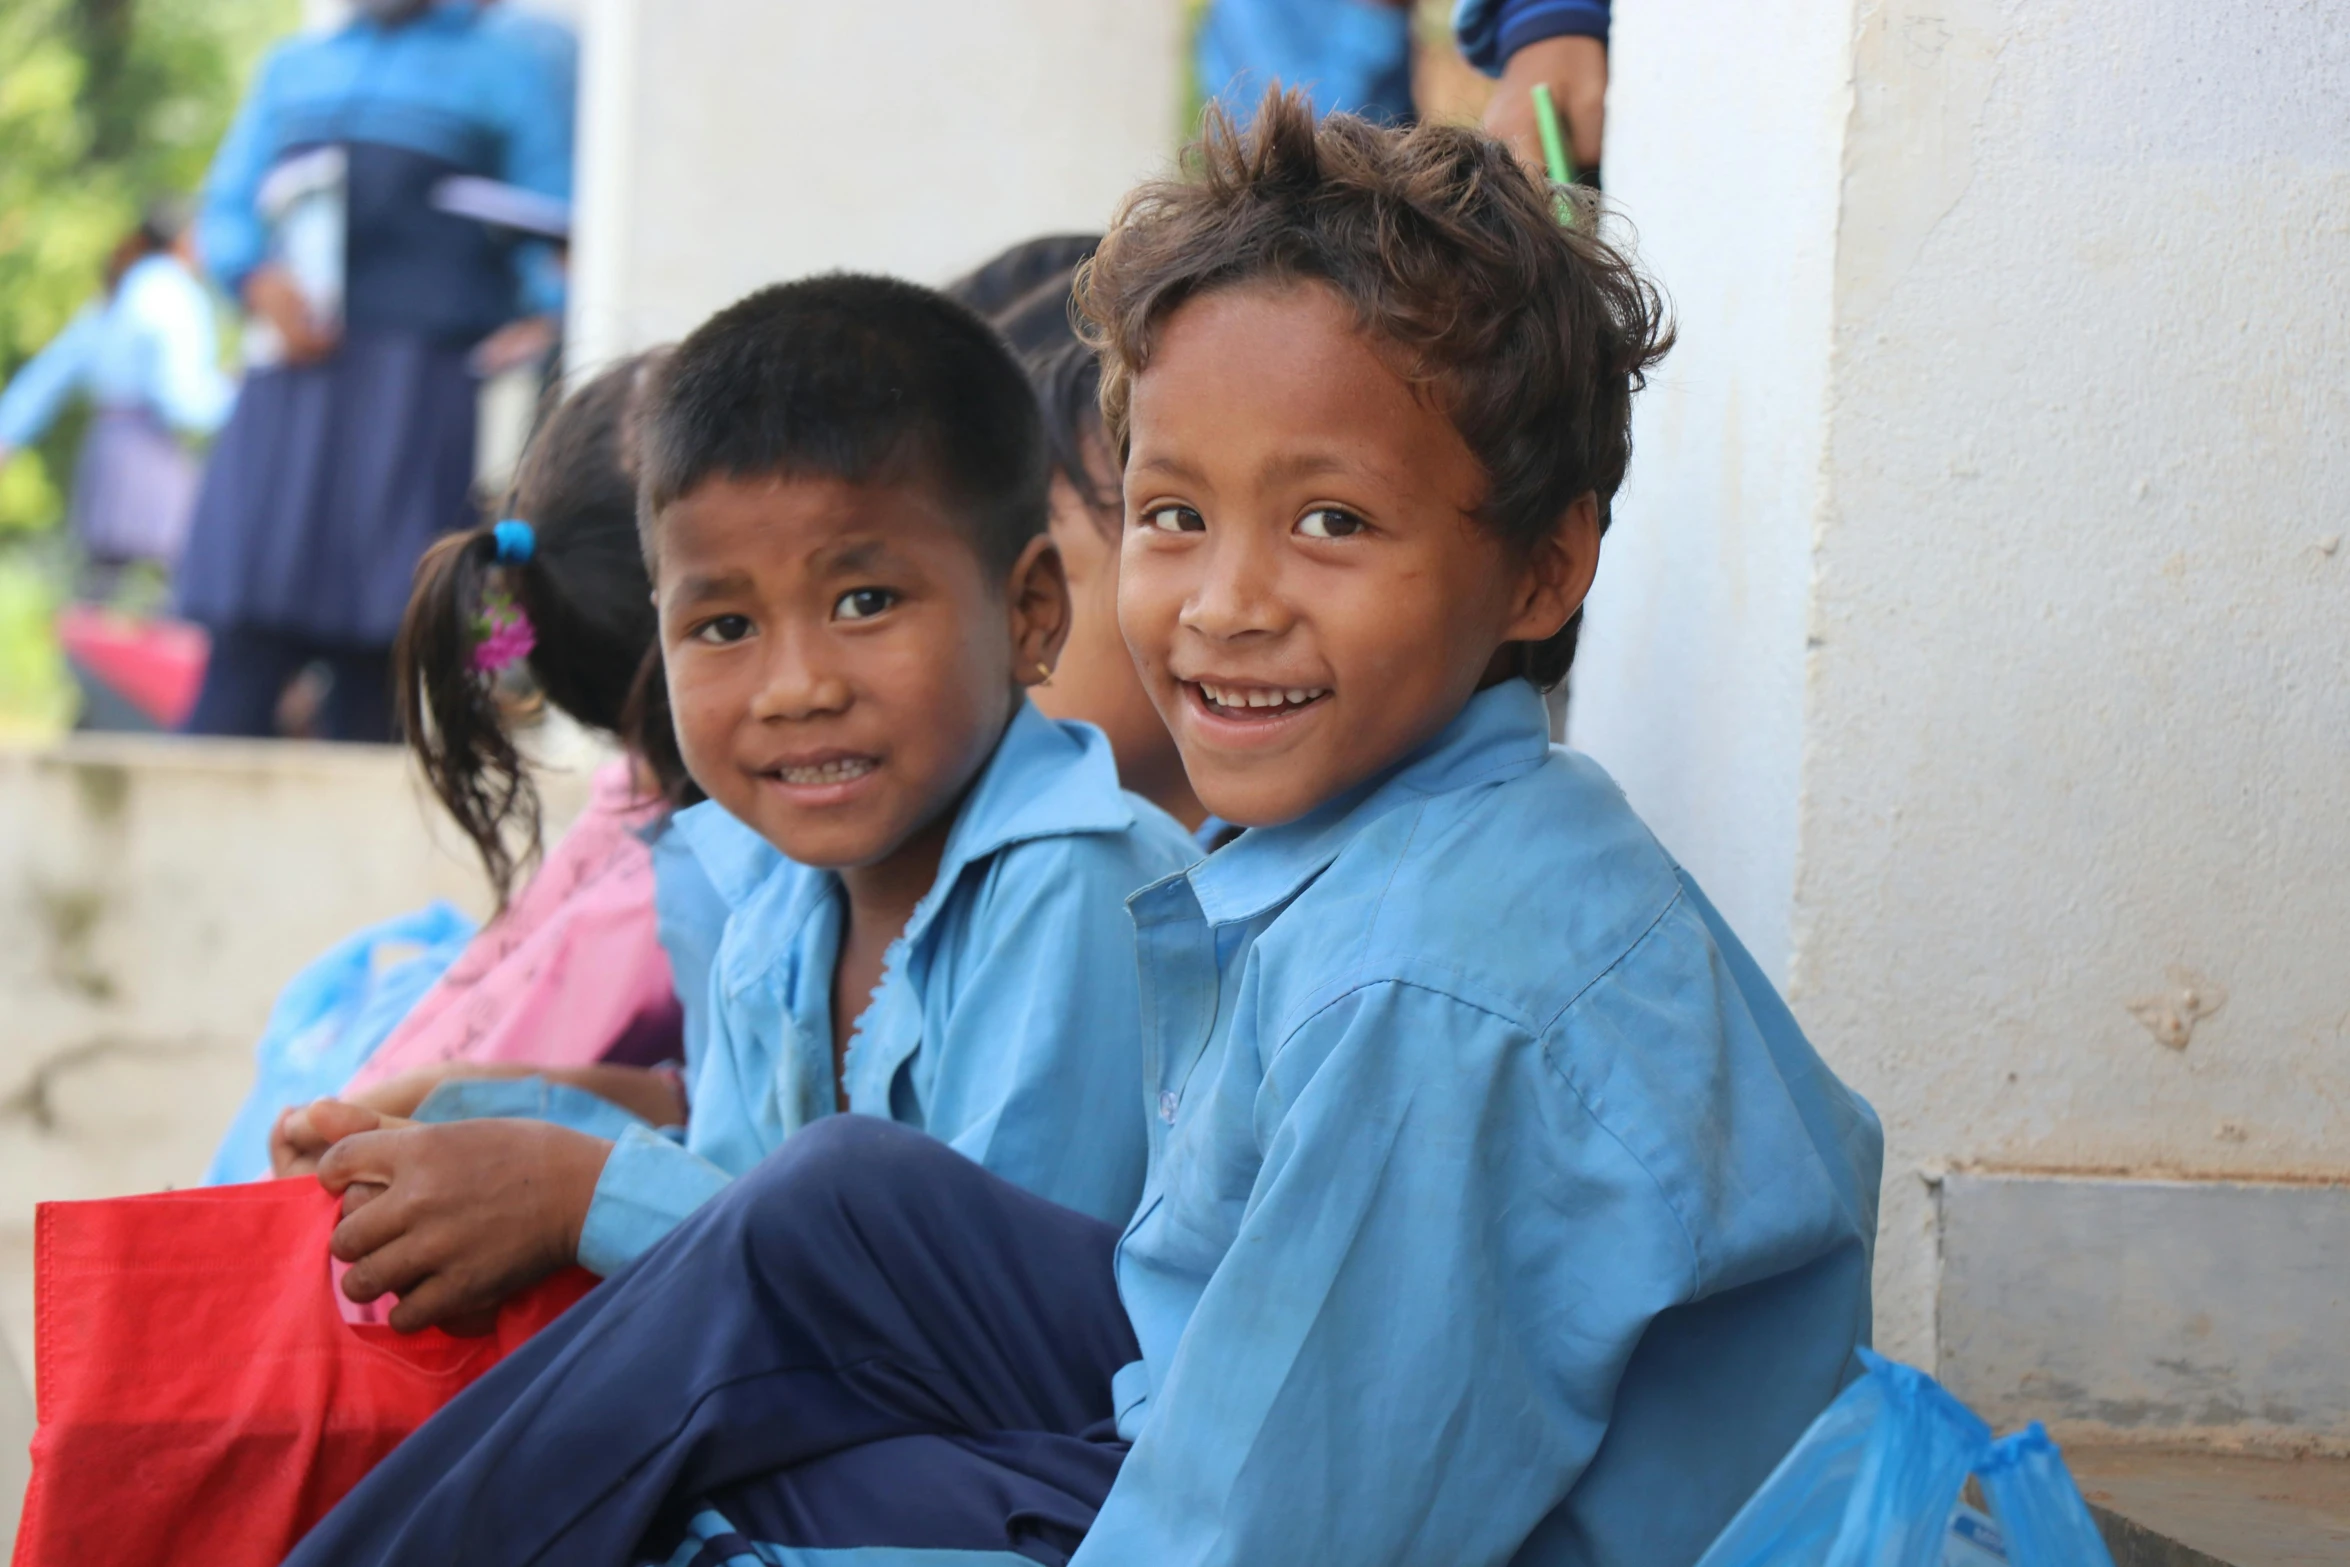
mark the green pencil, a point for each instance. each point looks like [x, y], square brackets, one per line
[1554, 148]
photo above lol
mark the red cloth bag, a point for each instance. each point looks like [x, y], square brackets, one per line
[201, 1398]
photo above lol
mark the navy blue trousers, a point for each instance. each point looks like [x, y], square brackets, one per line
[251, 666]
[866, 1341]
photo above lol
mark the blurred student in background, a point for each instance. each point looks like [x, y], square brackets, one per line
[1561, 44]
[352, 444]
[1355, 56]
[146, 354]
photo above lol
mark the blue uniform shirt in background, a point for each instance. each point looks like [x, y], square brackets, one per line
[463, 88]
[1005, 1023]
[1498, 1209]
[1349, 55]
[150, 345]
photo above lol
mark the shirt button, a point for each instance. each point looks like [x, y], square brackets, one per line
[1167, 1102]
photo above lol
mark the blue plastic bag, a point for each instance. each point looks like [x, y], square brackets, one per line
[1875, 1482]
[328, 1021]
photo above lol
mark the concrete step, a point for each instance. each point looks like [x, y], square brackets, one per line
[2184, 1507]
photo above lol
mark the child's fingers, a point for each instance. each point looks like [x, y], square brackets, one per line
[369, 1228]
[399, 1268]
[363, 1156]
[434, 1299]
[332, 1120]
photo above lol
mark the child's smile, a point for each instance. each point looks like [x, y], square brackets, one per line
[1304, 583]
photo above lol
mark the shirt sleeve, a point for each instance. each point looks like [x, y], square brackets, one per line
[48, 379]
[1038, 1075]
[185, 381]
[649, 1185]
[1490, 31]
[1411, 1350]
[230, 235]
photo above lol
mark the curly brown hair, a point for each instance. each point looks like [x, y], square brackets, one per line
[1531, 334]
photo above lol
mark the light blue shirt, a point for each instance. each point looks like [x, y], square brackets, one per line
[465, 82]
[1005, 1023]
[152, 344]
[1498, 1210]
[1350, 55]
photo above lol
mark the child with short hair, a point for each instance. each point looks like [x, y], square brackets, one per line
[1498, 1211]
[842, 501]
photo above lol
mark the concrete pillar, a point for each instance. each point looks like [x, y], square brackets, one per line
[1977, 623]
[726, 145]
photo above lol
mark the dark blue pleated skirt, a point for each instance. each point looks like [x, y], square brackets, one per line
[327, 485]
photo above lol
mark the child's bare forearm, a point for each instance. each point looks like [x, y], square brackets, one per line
[650, 1094]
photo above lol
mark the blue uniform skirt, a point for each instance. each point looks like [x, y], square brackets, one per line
[327, 485]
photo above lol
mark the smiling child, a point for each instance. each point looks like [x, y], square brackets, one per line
[1498, 1210]
[843, 504]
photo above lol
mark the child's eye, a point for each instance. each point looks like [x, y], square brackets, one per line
[1174, 519]
[723, 628]
[1328, 522]
[863, 603]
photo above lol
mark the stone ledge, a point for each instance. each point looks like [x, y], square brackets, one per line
[2184, 1507]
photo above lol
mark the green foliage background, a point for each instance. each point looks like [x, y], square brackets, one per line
[103, 105]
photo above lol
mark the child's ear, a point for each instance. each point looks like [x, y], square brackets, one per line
[1557, 575]
[1037, 595]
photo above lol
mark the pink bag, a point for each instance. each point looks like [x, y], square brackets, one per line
[572, 973]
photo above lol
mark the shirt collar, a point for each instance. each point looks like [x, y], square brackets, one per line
[1045, 779]
[1502, 732]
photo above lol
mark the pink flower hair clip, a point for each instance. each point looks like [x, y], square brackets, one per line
[502, 632]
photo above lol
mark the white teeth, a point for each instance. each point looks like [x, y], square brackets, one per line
[840, 771]
[1235, 696]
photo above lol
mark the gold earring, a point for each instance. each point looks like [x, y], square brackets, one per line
[1044, 673]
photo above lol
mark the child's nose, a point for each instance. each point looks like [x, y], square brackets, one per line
[799, 681]
[1239, 591]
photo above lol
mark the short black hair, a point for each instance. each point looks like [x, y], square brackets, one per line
[866, 379]
[999, 283]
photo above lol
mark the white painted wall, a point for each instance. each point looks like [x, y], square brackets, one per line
[2067, 529]
[154, 896]
[728, 145]
[1689, 684]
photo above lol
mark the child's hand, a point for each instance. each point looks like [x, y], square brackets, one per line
[1575, 69]
[455, 1218]
[303, 1134]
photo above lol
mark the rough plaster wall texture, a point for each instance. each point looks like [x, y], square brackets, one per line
[154, 896]
[728, 145]
[2079, 717]
[1691, 670]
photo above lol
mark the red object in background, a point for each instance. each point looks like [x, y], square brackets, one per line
[155, 665]
[201, 1398]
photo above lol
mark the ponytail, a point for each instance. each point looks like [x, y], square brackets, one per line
[449, 709]
[559, 586]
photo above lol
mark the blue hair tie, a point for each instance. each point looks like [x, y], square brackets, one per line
[517, 541]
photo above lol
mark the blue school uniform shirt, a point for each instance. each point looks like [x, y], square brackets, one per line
[1498, 1210]
[1006, 1022]
[1349, 55]
[150, 344]
[465, 86]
